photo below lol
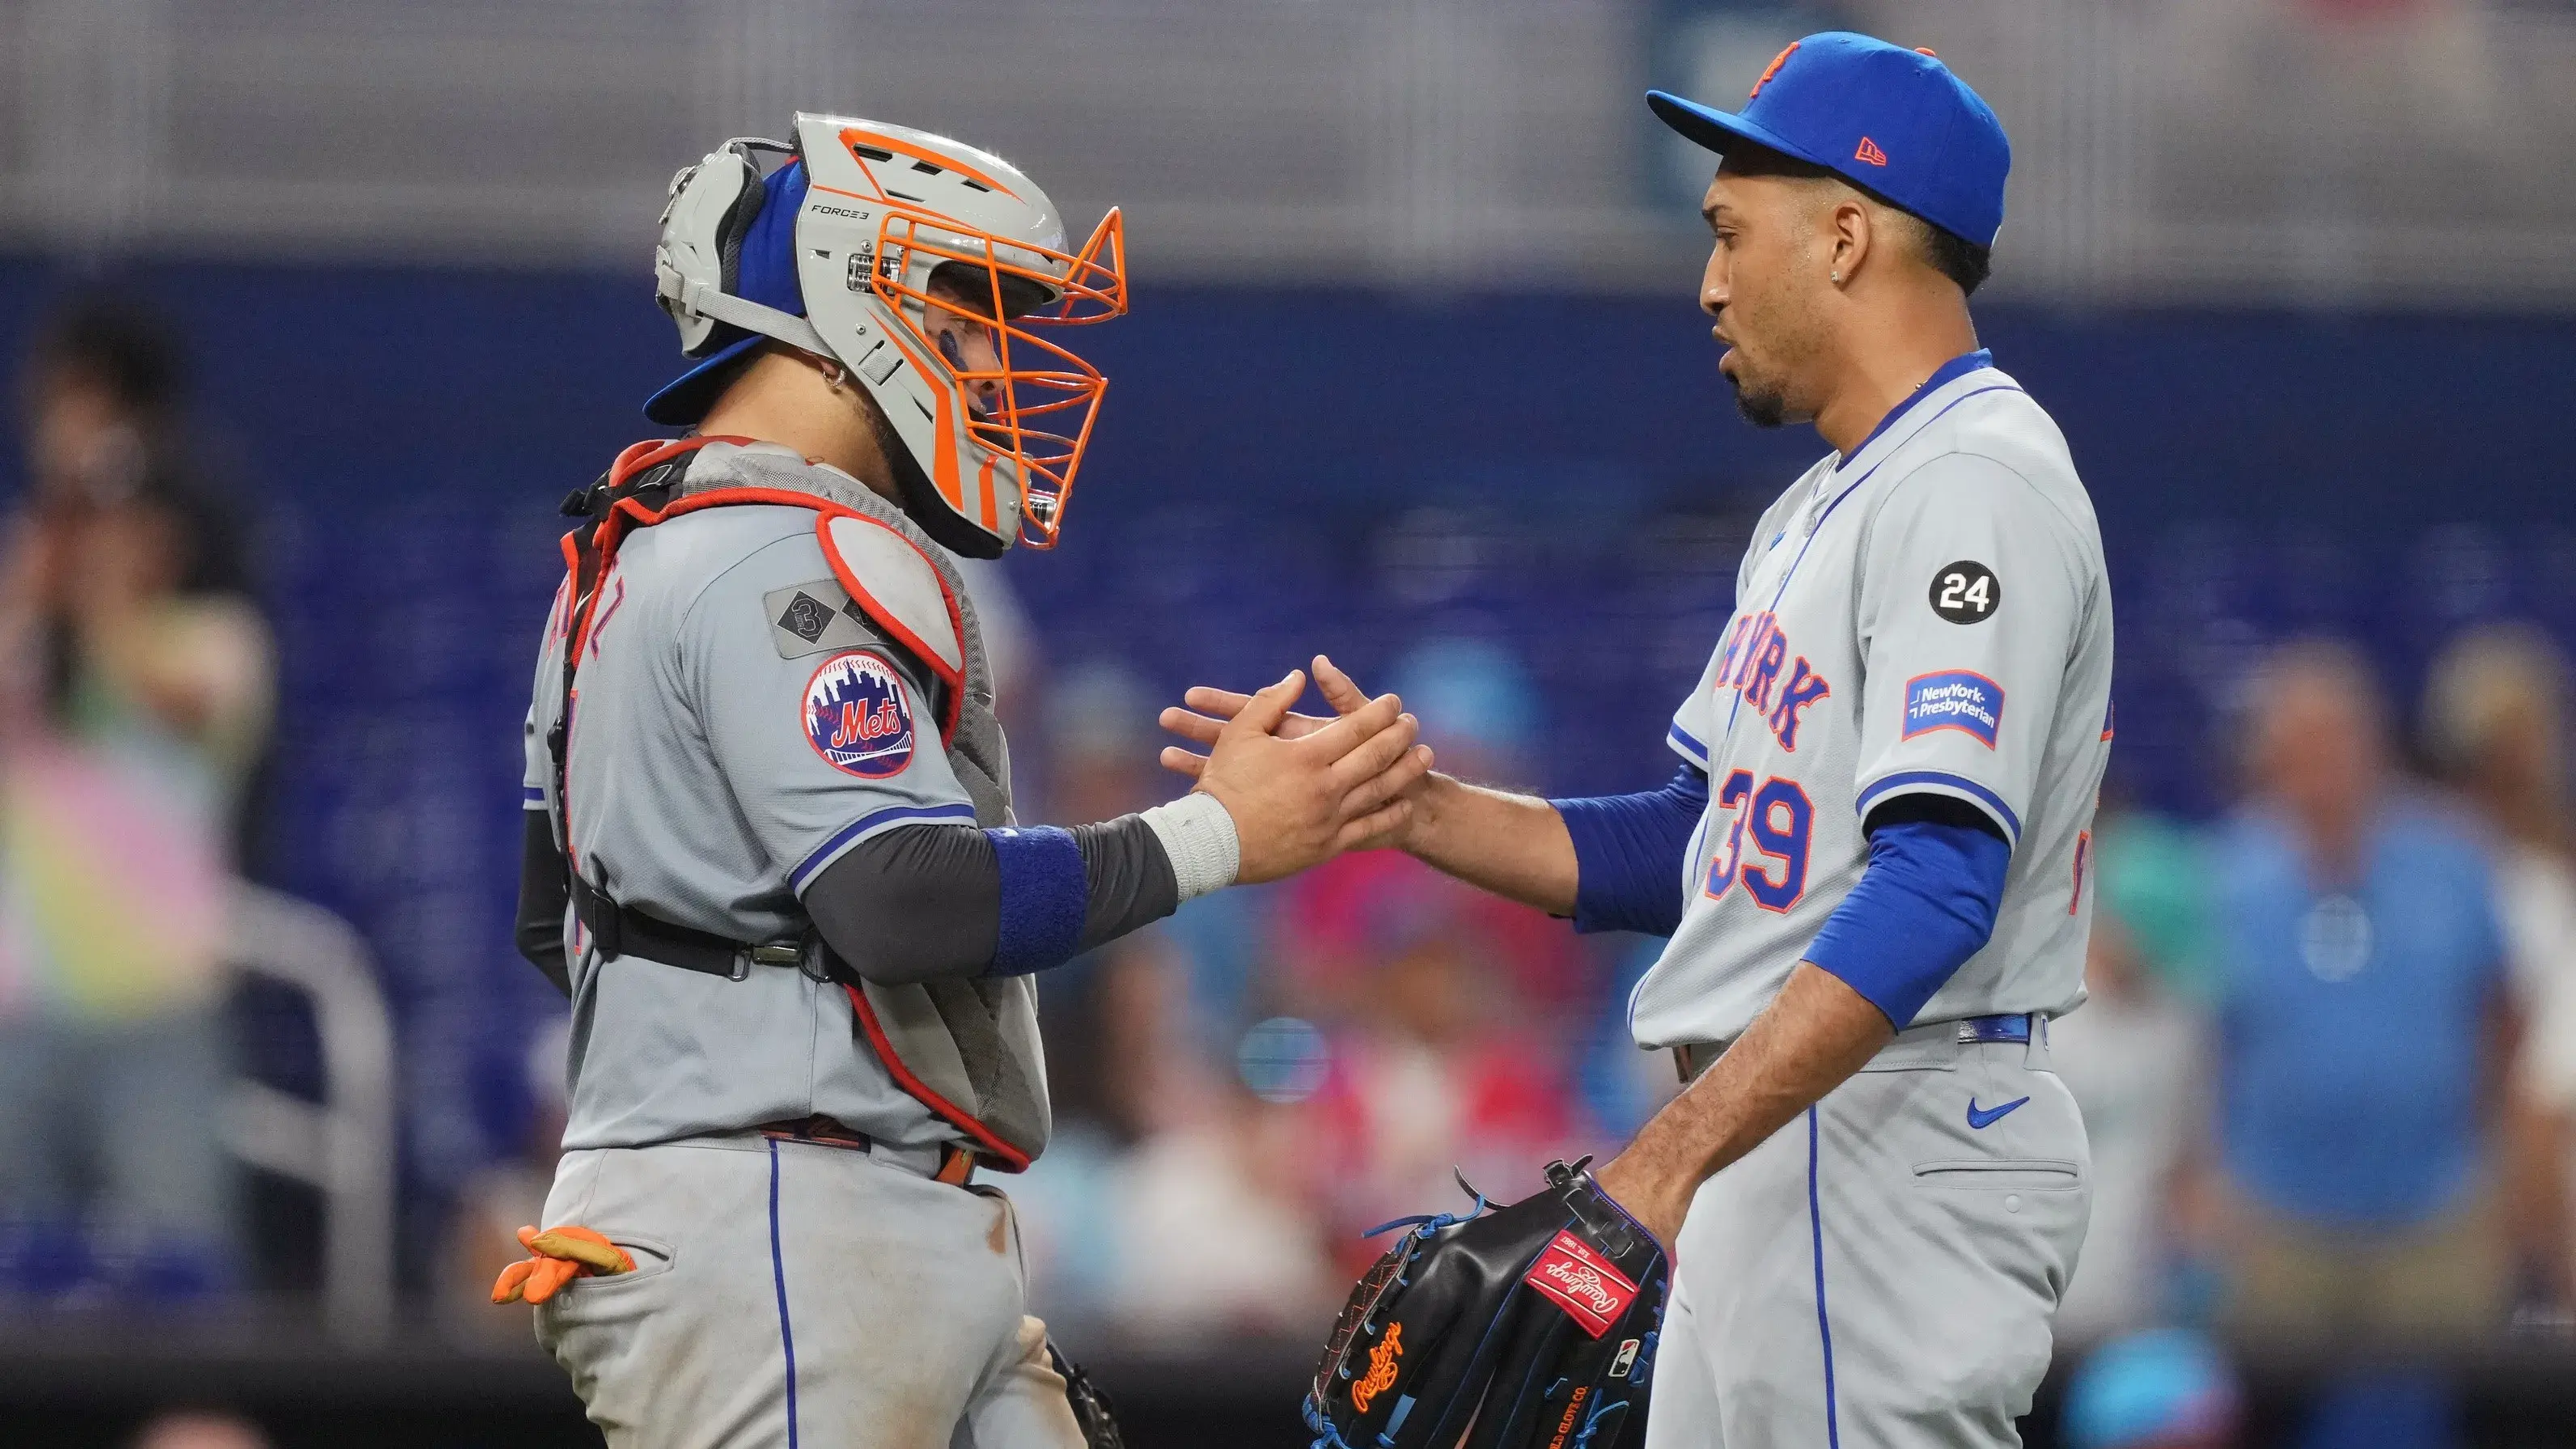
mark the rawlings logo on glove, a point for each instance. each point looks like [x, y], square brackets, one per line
[1381, 1374]
[1590, 1289]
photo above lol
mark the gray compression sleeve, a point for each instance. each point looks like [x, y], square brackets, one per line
[925, 901]
[544, 888]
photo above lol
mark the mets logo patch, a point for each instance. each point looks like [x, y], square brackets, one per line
[1956, 699]
[1583, 1283]
[855, 716]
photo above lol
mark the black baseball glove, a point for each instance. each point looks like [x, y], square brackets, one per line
[1092, 1411]
[1526, 1327]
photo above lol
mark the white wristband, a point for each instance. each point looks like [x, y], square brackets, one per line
[1199, 839]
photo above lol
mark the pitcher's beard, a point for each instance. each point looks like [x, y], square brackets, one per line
[1762, 407]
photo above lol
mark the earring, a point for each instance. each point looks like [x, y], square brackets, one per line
[1838, 276]
[833, 377]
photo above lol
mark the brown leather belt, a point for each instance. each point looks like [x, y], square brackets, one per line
[956, 1164]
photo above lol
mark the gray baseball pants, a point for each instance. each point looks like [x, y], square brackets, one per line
[792, 1293]
[1881, 1273]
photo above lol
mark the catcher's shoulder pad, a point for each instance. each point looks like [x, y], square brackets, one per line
[1527, 1327]
[900, 590]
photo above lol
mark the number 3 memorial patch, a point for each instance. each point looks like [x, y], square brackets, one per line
[1966, 592]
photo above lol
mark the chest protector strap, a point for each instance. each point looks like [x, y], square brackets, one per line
[967, 1049]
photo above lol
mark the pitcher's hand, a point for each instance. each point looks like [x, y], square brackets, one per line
[1299, 799]
[1211, 710]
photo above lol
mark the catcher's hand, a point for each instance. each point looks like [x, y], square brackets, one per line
[1527, 1327]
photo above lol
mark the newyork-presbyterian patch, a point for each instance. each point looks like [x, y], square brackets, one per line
[856, 717]
[1955, 699]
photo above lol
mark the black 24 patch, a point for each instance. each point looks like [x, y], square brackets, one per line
[1966, 592]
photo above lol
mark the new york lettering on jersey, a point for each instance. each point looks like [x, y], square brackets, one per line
[1751, 662]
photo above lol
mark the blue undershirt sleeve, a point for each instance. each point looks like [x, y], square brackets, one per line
[1629, 852]
[1925, 904]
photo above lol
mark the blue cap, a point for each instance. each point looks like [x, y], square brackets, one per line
[766, 273]
[1891, 121]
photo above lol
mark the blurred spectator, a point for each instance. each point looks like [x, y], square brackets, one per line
[2495, 720]
[2365, 1029]
[2169, 1389]
[2153, 874]
[502, 1196]
[1623, 1085]
[1217, 1218]
[1218, 1229]
[2134, 1058]
[1170, 1202]
[1434, 1069]
[1100, 743]
[1480, 715]
[1456, 1018]
[135, 692]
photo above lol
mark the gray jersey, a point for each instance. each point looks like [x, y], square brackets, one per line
[737, 729]
[1929, 615]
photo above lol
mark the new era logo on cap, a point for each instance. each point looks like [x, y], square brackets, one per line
[1892, 121]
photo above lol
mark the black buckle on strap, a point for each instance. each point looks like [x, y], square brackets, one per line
[617, 930]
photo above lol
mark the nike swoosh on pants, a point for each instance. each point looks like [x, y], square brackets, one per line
[1981, 1120]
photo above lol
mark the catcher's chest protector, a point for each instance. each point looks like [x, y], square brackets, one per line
[966, 1049]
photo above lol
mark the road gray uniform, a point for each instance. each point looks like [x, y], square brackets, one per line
[786, 1291]
[1929, 615]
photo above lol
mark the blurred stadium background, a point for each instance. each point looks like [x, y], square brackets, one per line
[322, 307]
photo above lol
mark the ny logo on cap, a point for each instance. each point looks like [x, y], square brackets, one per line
[1870, 153]
[1773, 68]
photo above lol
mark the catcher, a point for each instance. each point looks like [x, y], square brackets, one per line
[770, 851]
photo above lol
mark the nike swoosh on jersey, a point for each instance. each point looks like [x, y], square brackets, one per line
[1981, 1120]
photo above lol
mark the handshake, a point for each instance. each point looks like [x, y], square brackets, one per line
[1302, 789]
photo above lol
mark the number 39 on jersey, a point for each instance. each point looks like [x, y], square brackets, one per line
[1779, 818]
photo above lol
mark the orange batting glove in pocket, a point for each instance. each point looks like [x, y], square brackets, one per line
[559, 1256]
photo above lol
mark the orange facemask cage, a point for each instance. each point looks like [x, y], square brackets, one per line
[1037, 415]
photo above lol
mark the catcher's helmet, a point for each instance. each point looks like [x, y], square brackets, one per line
[834, 250]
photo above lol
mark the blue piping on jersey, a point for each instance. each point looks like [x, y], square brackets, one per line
[1737, 703]
[778, 1275]
[1874, 467]
[1989, 798]
[1824, 1326]
[1698, 752]
[1942, 376]
[534, 798]
[865, 823]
